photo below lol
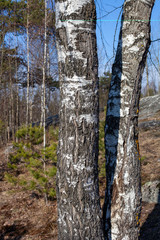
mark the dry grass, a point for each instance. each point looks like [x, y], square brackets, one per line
[25, 216]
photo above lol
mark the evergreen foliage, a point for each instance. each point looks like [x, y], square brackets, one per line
[2, 125]
[28, 160]
[32, 160]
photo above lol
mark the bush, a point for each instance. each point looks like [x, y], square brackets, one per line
[31, 158]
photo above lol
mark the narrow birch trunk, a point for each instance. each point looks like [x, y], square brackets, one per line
[79, 213]
[28, 67]
[17, 101]
[44, 90]
[11, 111]
[31, 98]
[42, 104]
[48, 61]
[44, 76]
[1, 72]
[123, 193]
[5, 112]
[17, 87]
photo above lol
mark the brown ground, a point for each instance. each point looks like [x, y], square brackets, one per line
[25, 216]
[150, 154]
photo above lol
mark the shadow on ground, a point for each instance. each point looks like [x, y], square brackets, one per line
[150, 230]
[12, 232]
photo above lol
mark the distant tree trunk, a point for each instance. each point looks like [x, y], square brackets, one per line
[16, 78]
[5, 112]
[17, 101]
[44, 76]
[2, 53]
[147, 74]
[123, 194]
[31, 98]
[28, 67]
[11, 109]
[48, 60]
[79, 213]
[43, 89]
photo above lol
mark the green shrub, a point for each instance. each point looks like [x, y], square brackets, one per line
[142, 158]
[2, 126]
[30, 158]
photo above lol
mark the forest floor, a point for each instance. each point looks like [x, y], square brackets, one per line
[25, 216]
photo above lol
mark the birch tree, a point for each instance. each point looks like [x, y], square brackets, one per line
[44, 76]
[123, 194]
[28, 66]
[79, 214]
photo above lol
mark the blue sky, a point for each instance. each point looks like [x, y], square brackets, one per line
[108, 12]
[106, 27]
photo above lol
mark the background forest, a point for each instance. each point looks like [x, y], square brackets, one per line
[28, 60]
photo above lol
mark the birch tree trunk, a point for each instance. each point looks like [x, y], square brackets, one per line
[2, 53]
[123, 194]
[79, 213]
[17, 100]
[44, 89]
[43, 103]
[11, 108]
[31, 97]
[28, 67]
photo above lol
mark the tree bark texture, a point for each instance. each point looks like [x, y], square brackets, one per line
[123, 193]
[79, 213]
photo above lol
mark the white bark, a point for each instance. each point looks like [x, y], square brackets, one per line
[79, 214]
[44, 76]
[123, 195]
[28, 67]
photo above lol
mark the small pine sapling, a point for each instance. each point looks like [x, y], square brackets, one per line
[26, 163]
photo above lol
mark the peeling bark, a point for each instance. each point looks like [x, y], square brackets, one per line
[79, 213]
[123, 194]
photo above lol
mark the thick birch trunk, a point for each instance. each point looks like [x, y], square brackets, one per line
[123, 194]
[79, 213]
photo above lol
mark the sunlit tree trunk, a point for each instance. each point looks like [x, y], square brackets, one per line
[28, 67]
[79, 214]
[2, 53]
[48, 60]
[44, 88]
[17, 101]
[123, 194]
[6, 112]
[11, 107]
[31, 97]
[16, 78]
[44, 75]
